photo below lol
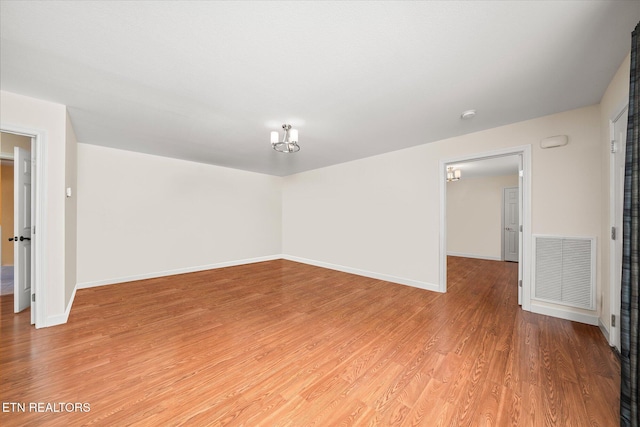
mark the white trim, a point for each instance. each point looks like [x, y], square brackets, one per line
[365, 273]
[62, 318]
[589, 319]
[603, 329]
[4, 156]
[173, 272]
[442, 286]
[58, 319]
[39, 169]
[612, 336]
[619, 112]
[525, 152]
[39, 148]
[502, 226]
[476, 256]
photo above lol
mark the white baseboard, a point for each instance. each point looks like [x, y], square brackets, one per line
[64, 317]
[589, 319]
[58, 319]
[173, 272]
[604, 330]
[365, 273]
[476, 256]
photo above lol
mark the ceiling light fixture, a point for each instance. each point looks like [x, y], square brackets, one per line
[289, 142]
[468, 114]
[453, 174]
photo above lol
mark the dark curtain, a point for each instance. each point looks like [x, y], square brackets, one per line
[630, 249]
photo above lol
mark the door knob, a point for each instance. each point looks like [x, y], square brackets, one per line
[11, 239]
[24, 238]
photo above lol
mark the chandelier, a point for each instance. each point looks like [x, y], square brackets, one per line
[453, 174]
[289, 141]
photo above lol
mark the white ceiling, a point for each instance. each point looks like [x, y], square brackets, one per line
[496, 166]
[207, 81]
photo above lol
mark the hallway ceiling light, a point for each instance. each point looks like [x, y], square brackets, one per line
[453, 174]
[289, 141]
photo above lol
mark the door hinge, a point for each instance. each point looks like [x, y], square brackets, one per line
[33, 297]
[519, 283]
[613, 233]
[613, 320]
[614, 147]
[33, 231]
[520, 228]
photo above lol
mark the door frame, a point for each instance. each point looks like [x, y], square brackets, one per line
[38, 214]
[614, 288]
[524, 266]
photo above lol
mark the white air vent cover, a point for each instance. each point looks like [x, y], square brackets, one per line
[564, 271]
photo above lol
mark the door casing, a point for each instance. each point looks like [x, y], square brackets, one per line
[616, 203]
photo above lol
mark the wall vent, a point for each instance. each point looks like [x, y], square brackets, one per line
[564, 270]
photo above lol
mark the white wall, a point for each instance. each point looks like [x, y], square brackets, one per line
[17, 111]
[474, 216]
[615, 97]
[370, 215]
[381, 214]
[144, 216]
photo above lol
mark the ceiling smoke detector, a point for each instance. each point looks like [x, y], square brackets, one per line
[468, 114]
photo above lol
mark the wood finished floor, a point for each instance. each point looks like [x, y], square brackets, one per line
[285, 344]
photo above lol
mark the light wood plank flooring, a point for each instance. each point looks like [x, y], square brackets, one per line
[285, 344]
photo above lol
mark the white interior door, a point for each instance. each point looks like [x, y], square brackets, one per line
[511, 229]
[22, 229]
[520, 226]
[617, 196]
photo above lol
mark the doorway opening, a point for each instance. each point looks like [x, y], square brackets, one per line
[21, 247]
[6, 220]
[486, 177]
